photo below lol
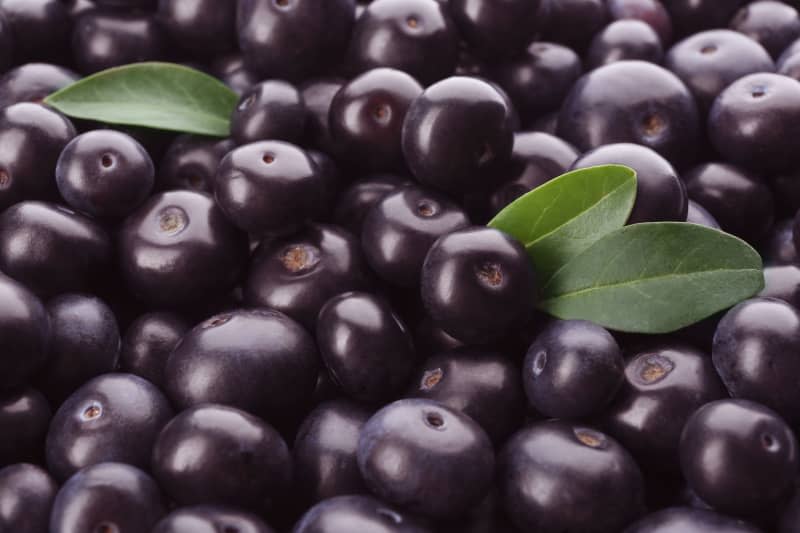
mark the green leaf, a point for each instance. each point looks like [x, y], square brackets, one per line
[561, 218]
[164, 96]
[655, 278]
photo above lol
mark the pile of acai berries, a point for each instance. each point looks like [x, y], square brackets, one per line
[309, 327]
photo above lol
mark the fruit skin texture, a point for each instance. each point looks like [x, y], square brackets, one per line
[107, 493]
[191, 162]
[113, 417]
[691, 16]
[572, 22]
[190, 468]
[457, 134]
[684, 519]
[24, 418]
[366, 118]
[62, 251]
[26, 497]
[625, 39]
[359, 513]
[298, 274]
[399, 230]
[356, 200]
[211, 519]
[293, 40]
[496, 28]
[652, 12]
[24, 333]
[371, 359]
[40, 27]
[484, 385]
[31, 82]
[754, 353]
[105, 173]
[738, 456]
[572, 370]
[739, 200]
[754, 118]
[773, 24]
[709, 61]
[697, 214]
[779, 247]
[272, 109]
[660, 193]
[424, 39]
[178, 248]
[635, 102]
[426, 458]
[782, 282]
[329, 436]
[257, 360]
[269, 187]
[477, 284]
[664, 384]
[31, 138]
[200, 26]
[596, 485]
[84, 343]
[147, 344]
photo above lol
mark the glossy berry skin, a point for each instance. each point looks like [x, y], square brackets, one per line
[113, 417]
[682, 519]
[753, 118]
[779, 247]
[211, 519]
[329, 436]
[24, 333]
[32, 82]
[652, 12]
[191, 163]
[399, 230]
[773, 24]
[624, 39]
[660, 193]
[422, 36]
[26, 497]
[371, 360]
[40, 28]
[359, 513]
[259, 360]
[366, 118]
[178, 248]
[268, 35]
[753, 354]
[581, 465]
[572, 22]
[537, 158]
[105, 173]
[709, 61]
[782, 282]
[272, 109]
[148, 342]
[477, 283]
[31, 139]
[692, 16]
[268, 187]
[739, 200]
[24, 418]
[356, 201]
[635, 102]
[318, 93]
[484, 385]
[572, 370]
[231, 70]
[697, 214]
[107, 495]
[539, 79]
[496, 28]
[664, 384]
[190, 469]
[199, 26]
[457, 133]
[107, 38]
[738, 456]
[426, 458]
[299, 273]
[84, 343]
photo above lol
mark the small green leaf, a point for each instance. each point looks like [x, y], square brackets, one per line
[164, 96]
[560, 219]
[655, 278]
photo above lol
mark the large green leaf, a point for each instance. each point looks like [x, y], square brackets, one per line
[655, 278]
[154, 95]
[563, 217]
